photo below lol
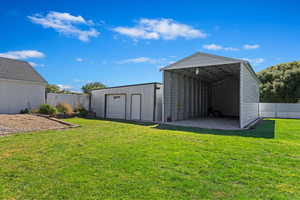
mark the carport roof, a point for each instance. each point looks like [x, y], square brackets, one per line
[19, 70]
[200, 59]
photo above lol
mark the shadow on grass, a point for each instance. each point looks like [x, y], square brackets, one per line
[263, 129]
[125, 121]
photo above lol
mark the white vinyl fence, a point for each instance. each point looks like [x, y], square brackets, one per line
[280, 110]
[72, 99]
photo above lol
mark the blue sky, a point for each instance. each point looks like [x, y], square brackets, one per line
[125, 42]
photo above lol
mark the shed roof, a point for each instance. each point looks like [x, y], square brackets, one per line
[19, 70]
[200, 59]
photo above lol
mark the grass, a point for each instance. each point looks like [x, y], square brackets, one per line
[116, 160]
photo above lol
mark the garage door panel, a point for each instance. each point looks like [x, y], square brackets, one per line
[116, 106]
[136, 107]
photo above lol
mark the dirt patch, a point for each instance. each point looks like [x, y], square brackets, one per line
[16, 123]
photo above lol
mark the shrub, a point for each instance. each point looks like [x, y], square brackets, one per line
[25, 111]
[35, 110]
[65, 108]
[47, 109]
[82, 112]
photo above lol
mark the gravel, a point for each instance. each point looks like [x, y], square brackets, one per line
[16, 123]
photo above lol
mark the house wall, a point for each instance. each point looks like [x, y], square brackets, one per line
[225, 97]
[147, 100]
[72, 99]
[249, 96]
[18, 95]
[184, 97]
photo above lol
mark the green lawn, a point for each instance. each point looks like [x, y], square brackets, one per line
[116, 160]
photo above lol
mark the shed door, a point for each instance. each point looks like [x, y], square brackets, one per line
[116, 106]
[136, 107]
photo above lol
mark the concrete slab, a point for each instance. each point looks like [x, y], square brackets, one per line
[210, 123]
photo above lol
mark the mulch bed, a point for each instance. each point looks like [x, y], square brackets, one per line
[19, 123]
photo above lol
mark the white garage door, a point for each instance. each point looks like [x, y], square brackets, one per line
[136, 107]
[115, 106]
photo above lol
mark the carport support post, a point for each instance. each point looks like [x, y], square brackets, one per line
[241, 96]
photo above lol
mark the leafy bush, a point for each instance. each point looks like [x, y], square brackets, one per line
[25, 111]
[280, 83]
[82, 112]
[47, 109]
[65, 108]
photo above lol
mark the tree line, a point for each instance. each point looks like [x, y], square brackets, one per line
[87, 88]
[280, 83]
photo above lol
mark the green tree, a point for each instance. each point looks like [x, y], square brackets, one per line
[87, 88]
[51, 88]
[280, 83]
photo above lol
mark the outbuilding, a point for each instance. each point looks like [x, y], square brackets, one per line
[20, 86]
[210, 91]
[139, 102]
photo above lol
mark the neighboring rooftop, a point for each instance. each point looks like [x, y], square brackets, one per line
[19, 70]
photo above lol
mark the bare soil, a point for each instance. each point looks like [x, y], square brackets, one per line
[15, 123]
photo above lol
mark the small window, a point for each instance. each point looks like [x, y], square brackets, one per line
[117, 97]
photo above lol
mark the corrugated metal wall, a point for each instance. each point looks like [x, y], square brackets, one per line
[184, 97]
[249, 97]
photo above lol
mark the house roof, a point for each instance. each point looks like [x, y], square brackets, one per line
[19, 70]
[200, 59]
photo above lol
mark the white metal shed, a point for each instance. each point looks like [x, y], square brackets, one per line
[210, 91]
[20, 86]
[140, 102]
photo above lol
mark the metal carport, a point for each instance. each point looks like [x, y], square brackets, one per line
[210, 91]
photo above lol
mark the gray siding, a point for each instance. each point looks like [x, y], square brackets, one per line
[249, 97]
[18, 95]
[147, 100]
[184, 97]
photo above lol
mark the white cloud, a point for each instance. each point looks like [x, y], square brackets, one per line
[65, 24]
[231, 49]
[33, 64]
[139, 60]
[82, 81]
[216, 47]
[251, 46]
[212, 47]
[79, 59]
[166, 29]
[255, 61]
[24, 54]
[64, 87]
